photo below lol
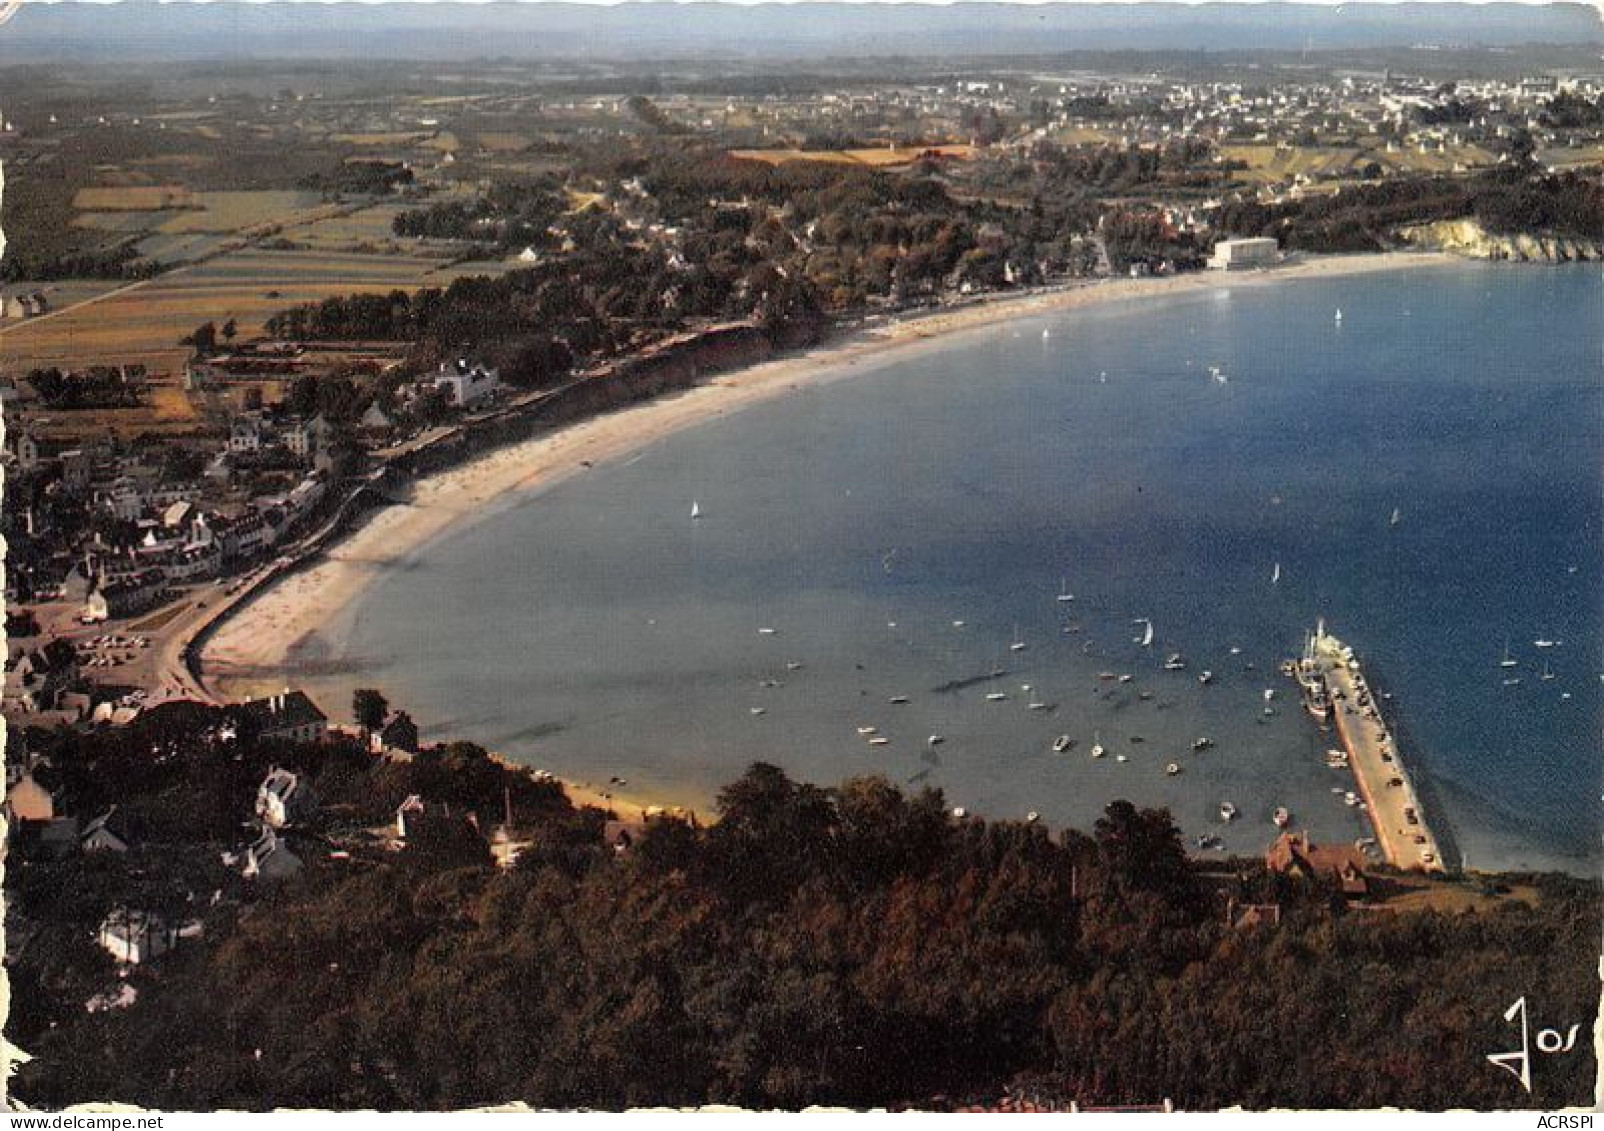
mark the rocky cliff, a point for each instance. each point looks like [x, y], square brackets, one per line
[1470, 239]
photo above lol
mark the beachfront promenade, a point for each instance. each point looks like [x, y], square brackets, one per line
[1401, 829]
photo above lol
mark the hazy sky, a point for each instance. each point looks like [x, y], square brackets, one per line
[1325, 3]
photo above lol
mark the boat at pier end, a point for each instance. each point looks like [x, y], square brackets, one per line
[1390, 799]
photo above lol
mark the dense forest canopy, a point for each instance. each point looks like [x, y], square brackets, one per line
[845, 945]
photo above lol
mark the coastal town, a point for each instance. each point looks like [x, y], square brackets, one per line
[154, 477]
[248, 321]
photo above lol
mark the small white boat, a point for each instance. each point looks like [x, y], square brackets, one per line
[793, 666]
[1062, 743]
[996, 696]
[1172, 769]
[1205, 678]
[1045, 334]
[958, 624]
[696, 509]
[898, 699]
[1097, 745]
[1546, 643]
[1037, 705]
[1175, 663]
[879, 741]
[758, 710]
[1350, 799]
[1512, 682]
[1269, 694]
[1508, 661]
[1126, 678]
[1018, 645]
[1032, 817]
[1202, 743]
[1063, 590]
[1236, 651]
[1397, 517]
[1281, 818]
[1548, 672]
[934, 740]
[1121, 758]
[866, 731]
[766, 632]
[1275, 574]
[1339, 314]
[1227, 811]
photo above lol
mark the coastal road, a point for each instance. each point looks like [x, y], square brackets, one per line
[1384, 784]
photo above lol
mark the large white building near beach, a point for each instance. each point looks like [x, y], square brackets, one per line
[1239, 255]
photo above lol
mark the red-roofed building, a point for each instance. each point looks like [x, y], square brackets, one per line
[1343, 864]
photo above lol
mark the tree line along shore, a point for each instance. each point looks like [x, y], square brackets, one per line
[454, 931]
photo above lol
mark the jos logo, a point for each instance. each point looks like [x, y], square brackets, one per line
[1550, 1042]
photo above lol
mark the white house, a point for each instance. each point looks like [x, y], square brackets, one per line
[468, 383]
[104, 834]
[283, 798]
[291, 716]
[133, 937]
[268, 858]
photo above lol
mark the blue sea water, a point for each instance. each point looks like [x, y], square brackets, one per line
[596, 630]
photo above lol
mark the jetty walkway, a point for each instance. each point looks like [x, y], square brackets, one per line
[1395, 813]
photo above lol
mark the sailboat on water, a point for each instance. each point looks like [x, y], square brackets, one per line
[1508, 661]
[1275, 574]
[696, 509]
[1397, 517]
[1064, 594]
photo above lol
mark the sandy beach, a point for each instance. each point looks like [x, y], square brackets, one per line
[275, 636]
